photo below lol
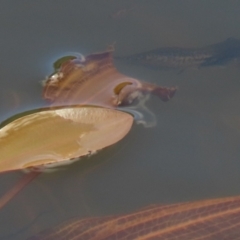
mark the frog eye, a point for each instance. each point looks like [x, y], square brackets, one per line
[120, 86]
[57, 64]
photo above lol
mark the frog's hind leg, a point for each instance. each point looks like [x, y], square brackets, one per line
[164, 93]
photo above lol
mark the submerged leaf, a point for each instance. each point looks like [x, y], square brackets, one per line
[218, 54]
[94, 80]
[55, 135]
[215, 219]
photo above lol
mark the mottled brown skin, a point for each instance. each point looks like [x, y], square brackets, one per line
[95, 80]
[214, 219]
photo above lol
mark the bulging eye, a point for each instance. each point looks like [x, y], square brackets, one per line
[120, 86]
[57, 64]
[77, 58]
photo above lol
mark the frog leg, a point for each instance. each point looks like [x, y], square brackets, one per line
[164, 93]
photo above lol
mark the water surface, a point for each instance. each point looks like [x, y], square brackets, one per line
[192, 153]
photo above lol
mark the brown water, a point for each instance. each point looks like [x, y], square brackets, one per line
[192, 153]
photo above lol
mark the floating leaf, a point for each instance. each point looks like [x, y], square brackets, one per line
[51, 136]
[94, 80]
[216, 219]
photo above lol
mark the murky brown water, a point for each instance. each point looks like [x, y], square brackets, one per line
[192, 153]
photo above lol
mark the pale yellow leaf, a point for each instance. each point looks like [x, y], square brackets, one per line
[56, 135]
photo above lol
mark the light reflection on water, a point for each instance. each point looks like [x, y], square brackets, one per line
[192, 153]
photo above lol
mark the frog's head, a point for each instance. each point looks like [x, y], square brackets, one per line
[63, 65]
